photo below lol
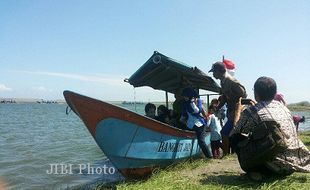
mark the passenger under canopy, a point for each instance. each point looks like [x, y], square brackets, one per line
[163, 73]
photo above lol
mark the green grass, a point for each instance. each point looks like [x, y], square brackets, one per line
[171, 179]
[183, 176]
[305, 137]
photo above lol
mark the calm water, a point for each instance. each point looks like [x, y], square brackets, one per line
[34, 136]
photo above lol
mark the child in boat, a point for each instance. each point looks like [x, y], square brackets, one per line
[150, 110]
[162, 114]
[215, 128]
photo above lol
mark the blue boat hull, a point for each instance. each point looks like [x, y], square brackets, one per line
[135, 144]
[141, 147]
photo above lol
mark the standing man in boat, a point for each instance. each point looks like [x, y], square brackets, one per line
[231, 91]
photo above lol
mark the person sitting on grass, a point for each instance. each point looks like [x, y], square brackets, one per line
[295, 157]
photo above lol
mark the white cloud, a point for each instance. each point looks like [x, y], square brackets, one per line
[42, 89]
[107, 80]
[4, 88]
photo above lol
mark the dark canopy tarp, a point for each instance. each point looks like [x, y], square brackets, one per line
[163, 73]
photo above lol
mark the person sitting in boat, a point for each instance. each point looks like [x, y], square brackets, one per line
[298, 119]
[192, 115]
[162, 114]
[176, 112]
[215, 129]
[150, 110]
[177, 104]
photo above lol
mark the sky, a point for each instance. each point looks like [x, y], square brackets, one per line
[90, 47]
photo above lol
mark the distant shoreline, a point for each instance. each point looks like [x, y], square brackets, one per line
[302, 106]
[36, 100]
[29, 100]
[299, 109]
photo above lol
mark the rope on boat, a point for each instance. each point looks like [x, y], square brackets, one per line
[134, 98]
[68, 110]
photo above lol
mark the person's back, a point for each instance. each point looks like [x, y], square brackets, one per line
[295, 156]
[276, 111]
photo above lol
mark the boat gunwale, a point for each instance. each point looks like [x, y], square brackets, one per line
[83, 106]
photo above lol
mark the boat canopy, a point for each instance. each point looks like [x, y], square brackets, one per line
[163, 73]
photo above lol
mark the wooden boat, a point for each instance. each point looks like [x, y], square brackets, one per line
[134, 143]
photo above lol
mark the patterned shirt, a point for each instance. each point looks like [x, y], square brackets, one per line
[297, 156]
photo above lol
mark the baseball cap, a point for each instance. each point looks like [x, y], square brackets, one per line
[218, 66]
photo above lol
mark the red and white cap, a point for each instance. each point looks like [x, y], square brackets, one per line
[230, 66]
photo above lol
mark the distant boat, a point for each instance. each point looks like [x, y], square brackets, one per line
[131, 103]
[136, 144]
[47, 102]
[8, 102]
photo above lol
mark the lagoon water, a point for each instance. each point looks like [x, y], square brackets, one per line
[34, 136]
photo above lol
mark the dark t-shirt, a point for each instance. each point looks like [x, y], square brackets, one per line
[232, 91]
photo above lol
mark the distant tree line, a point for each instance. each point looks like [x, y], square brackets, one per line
[300, 106]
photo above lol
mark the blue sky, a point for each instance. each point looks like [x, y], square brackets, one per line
[91, 46]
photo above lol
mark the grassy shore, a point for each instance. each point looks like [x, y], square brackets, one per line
[213, 174]
[301, 106]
